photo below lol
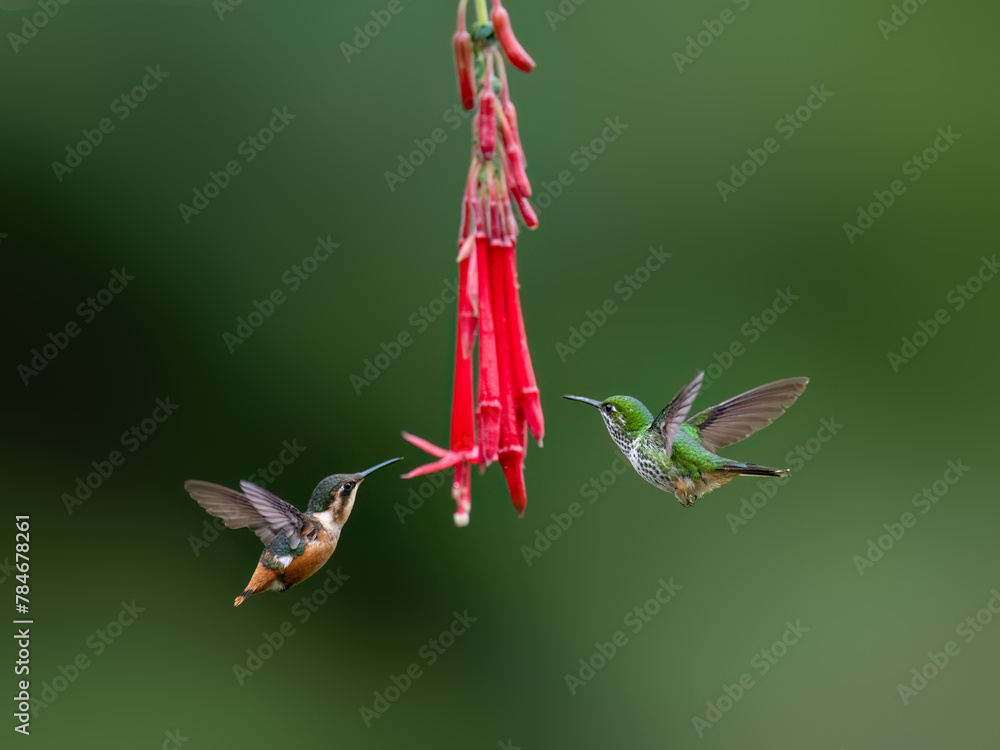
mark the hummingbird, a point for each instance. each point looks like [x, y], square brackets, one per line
[296, 544]
[680, 455]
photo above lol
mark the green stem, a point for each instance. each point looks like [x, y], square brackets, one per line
[481, 15]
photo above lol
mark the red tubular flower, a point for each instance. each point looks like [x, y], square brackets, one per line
[463, 431]
[524, 373]
[489, 374]
[511, 442]
[466, 305]
[505, 35]
[491, 412]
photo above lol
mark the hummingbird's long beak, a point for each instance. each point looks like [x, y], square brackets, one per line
[590, 401]
[366, 472]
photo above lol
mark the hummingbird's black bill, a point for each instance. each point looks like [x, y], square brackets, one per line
[366, 472]
[590, 401]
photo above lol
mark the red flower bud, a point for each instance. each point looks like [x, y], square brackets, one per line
[505, 35]
[527, 212]
[510, 114]
[515, 167]
[487, 124]
[462, 42]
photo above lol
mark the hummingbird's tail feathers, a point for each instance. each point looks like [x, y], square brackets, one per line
[263, 579]
[741, 416]
[754, 470]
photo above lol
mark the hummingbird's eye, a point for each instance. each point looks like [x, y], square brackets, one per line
[608, 408]
[348, 486]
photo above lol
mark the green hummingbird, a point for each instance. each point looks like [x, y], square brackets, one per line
[679, 455]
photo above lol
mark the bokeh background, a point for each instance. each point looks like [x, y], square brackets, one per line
[168, 676]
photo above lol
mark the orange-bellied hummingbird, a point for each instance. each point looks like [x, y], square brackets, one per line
[296, 544]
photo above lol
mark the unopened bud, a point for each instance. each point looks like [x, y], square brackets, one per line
[511, 47]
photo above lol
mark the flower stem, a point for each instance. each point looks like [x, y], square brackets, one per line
[482, 16]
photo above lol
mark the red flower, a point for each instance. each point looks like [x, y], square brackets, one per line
[490, 422]
[511, 47]
[462, 42]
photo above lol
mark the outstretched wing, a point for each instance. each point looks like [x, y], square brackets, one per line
[741, 416]
[669, 421]
[254, 508]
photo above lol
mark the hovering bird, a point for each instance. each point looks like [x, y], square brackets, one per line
[680, 456]
[296, 544]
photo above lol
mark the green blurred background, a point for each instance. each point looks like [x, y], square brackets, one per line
[503, 682]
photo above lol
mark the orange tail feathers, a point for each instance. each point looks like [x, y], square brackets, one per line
[261, 580]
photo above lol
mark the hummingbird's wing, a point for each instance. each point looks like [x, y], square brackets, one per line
[669, 421]
[741, 416]
[254, 508]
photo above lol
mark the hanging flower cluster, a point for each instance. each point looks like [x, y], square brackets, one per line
[490, 420]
